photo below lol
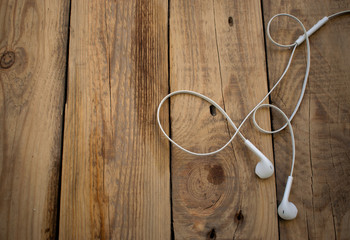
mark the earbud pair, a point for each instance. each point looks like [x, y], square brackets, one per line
[264, 169]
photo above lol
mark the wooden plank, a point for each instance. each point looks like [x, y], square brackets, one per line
[116, 181]
[33, 41]
[217, 49]
[321, 187]
[33, 53]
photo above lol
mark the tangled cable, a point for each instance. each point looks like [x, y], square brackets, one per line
[293, 46]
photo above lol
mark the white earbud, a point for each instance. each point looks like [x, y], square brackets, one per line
[287, 210]
[264, 168]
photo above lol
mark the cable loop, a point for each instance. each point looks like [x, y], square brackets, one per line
[278, 130]
[264, 130]
[269, 35]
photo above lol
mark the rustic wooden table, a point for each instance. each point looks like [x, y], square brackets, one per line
[82, 157]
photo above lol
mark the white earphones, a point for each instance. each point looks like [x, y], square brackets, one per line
[264, 168]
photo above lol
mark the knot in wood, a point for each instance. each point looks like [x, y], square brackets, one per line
[216, 174]
[7, 60]
[198, 186]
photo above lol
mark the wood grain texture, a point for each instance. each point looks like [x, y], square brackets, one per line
[217, 49]
[33, 41]
[321, 186]
[115, 180]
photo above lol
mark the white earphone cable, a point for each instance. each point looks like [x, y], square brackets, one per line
[339, 13]
[260, 104]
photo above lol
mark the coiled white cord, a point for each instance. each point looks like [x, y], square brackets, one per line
[294, 45]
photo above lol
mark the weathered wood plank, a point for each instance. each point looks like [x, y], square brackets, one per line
[321, 187]
[217, 48]
[115, 181]
[33, 42]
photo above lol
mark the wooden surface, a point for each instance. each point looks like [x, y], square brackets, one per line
[218, 195]
[33, 52]
[115, 176]
[112, 63]
[321, 186]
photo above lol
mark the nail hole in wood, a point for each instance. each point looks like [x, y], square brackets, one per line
[230, 21]
[239, 216]
[212, 234]
[212, 110]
